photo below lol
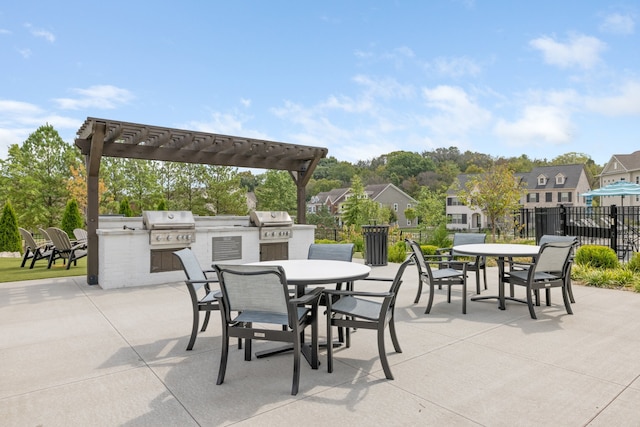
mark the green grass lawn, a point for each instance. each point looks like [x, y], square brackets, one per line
[10, 270]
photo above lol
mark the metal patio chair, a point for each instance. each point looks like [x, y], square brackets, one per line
[260, 295]
[455, 260]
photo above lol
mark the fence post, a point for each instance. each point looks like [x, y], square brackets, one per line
[614, 228]
[563, 219]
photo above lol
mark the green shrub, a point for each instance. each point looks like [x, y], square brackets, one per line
[596, 256]
[604, 278]
[10, 239]
[634, 263]
[429, 249]
[398, 252]
[72, 218]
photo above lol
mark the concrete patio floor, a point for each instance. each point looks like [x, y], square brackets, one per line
[78, 355]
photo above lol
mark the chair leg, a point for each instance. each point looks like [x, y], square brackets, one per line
[547, 295]
[194, 328]
[570, 291]
[431, 292]
[296, 362]
[530, 304]
[464, 295]
[415, 301]
[206, 320]
[383, 353]
[225, 353]
[25, 258]
[247, 344]
[478, 281]
[329, 342]
[394, 337]
[565, 297]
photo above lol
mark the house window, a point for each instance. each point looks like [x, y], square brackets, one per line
[457, 218]
[395, 207]
[560, 179]
[312, 209]
[533, 197]
[408, 205]
[454, 201]
[564, 197]
[409, 222]
[542, 180]
[548, 197]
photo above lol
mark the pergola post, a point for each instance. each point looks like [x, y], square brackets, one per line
[93, 202]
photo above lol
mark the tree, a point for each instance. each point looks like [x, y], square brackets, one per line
[36, 174]
[496, 193]
[71, 219]
[224, 194]
[358, 208]
[277, 192]
[77, 186]
[403, 165]
[10, 240]
[125, 208]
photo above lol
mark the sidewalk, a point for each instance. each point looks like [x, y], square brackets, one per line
[76, 355]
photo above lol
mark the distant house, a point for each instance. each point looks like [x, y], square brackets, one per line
[385, 194]
[545, 186]
[621, 167]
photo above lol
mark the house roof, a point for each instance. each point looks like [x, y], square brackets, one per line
[571, 172]
[628, 161]
[373, 191]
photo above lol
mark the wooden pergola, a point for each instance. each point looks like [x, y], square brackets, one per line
[103, 137]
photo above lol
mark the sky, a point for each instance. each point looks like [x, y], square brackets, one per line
[363, 78]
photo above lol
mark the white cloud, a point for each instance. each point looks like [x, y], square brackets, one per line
[580, 50]
[101, 96]
[225, 124]
[539, 124]
[625, 102]
[458, 112]
[618, 24]
[38, 32]
[456, 67]
[25, 53]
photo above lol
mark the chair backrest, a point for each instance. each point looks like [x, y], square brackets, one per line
[468, 239]
[44, 234]
[423, 267]
[254, 288]
[550, 238]
[397, 281]
[553, 257]
[80, 234]
[60, 239]
[29, 241]
[331, 251]
[191, 267]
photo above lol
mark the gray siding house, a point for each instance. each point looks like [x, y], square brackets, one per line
[621, 167]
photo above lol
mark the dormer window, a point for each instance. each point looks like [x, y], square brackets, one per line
[542, 180]
[560, 179]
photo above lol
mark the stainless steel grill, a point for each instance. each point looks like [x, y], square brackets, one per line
[170, 229]
[274, 225]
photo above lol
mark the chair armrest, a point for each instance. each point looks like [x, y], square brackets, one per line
[441, 251]
[378, 279]
[193, 282]
[358, 293]
[308, 298]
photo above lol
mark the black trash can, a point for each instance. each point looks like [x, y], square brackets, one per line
[375, 244]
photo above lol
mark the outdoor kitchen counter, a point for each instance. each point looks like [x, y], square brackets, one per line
[125, 254]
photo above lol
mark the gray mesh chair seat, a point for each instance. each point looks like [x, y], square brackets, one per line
[200, 291]
[260, 295]
[445, 276]
[550, 269]
[365, 310]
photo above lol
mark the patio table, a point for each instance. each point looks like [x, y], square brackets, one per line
[499, 251]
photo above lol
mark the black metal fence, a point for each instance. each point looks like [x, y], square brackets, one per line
[617, 227]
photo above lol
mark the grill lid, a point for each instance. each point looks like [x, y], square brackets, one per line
[164, 220]
[270, 218]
